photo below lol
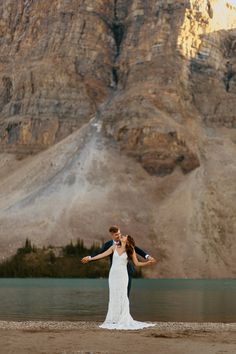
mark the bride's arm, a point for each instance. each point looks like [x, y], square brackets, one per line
[140, 264]
[102, 255]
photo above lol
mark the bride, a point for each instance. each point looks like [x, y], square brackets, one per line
[118, 315]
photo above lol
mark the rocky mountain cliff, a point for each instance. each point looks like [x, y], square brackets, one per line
[121, 111]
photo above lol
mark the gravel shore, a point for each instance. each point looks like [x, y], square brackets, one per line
[66, 337]
[161, 326]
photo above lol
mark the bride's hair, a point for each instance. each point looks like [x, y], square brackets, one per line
[129, 247]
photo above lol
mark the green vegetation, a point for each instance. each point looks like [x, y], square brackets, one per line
[56, 262]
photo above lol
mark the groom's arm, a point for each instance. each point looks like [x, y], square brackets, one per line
[104, 248]
[141, 252]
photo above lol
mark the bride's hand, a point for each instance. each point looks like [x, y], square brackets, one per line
[85, 259]
[151, 261]
[150, 258]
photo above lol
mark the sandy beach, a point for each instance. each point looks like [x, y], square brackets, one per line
[43, 337]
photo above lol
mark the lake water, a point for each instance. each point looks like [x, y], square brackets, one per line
[87, 299]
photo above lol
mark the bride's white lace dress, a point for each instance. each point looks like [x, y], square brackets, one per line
[118, 315]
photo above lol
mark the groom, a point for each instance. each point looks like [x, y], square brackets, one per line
[115, 239]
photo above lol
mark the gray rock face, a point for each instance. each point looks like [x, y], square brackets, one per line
[55, 70]
[121, 112]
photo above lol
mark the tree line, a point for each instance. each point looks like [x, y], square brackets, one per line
[30, 261]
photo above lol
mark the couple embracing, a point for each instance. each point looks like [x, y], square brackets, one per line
[123, 256]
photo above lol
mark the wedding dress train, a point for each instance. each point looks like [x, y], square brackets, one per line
[118, 315]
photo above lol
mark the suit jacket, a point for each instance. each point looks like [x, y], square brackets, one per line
[130, 266]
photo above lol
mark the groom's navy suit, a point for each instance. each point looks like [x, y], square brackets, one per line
[130, 266]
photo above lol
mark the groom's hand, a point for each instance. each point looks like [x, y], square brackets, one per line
[85, 259]
[151, 259]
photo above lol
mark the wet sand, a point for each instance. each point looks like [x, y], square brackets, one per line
[45, 337]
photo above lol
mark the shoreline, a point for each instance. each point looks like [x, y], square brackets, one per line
[80, 337]
[72, 325]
